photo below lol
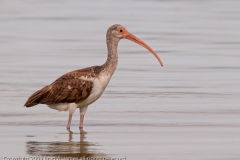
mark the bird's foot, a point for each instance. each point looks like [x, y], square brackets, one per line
[81, 130]
[68, 129]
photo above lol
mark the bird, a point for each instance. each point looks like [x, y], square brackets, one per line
[82, 87]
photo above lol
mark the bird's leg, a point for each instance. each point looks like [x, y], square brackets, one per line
[71, 108]
[69, 121]
[81, 121]
[82, 110]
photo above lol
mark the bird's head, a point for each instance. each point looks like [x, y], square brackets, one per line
[118, 32]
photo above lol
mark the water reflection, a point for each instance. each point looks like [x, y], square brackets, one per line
[64, 149]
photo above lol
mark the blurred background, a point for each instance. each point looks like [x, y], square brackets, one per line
[189, 109]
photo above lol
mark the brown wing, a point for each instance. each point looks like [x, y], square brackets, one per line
[69, 88]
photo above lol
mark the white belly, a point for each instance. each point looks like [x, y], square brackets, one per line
[99, 85]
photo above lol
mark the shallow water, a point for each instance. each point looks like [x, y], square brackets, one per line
[189, 109]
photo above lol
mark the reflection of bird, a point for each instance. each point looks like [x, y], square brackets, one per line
[64, 149]
[79, 88]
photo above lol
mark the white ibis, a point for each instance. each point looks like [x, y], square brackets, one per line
[80, 88]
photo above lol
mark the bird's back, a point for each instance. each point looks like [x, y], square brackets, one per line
[72, 87]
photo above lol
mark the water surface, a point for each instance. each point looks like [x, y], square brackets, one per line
[189, 109]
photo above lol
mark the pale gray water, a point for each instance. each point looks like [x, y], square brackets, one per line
[189, 109]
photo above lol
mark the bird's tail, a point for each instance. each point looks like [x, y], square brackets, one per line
[36, 97]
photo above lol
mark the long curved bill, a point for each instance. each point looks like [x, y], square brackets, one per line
[133, 38]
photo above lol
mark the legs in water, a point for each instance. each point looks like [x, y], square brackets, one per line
[72, 109]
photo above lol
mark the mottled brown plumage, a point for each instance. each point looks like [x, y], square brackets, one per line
[69, 88]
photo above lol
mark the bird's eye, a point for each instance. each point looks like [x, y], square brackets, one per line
[120, 30]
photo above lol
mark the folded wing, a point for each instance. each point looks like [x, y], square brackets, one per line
[72, 87]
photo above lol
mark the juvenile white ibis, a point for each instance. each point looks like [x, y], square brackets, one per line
[80, 88]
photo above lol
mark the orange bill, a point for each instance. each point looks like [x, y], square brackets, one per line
[133, 38]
